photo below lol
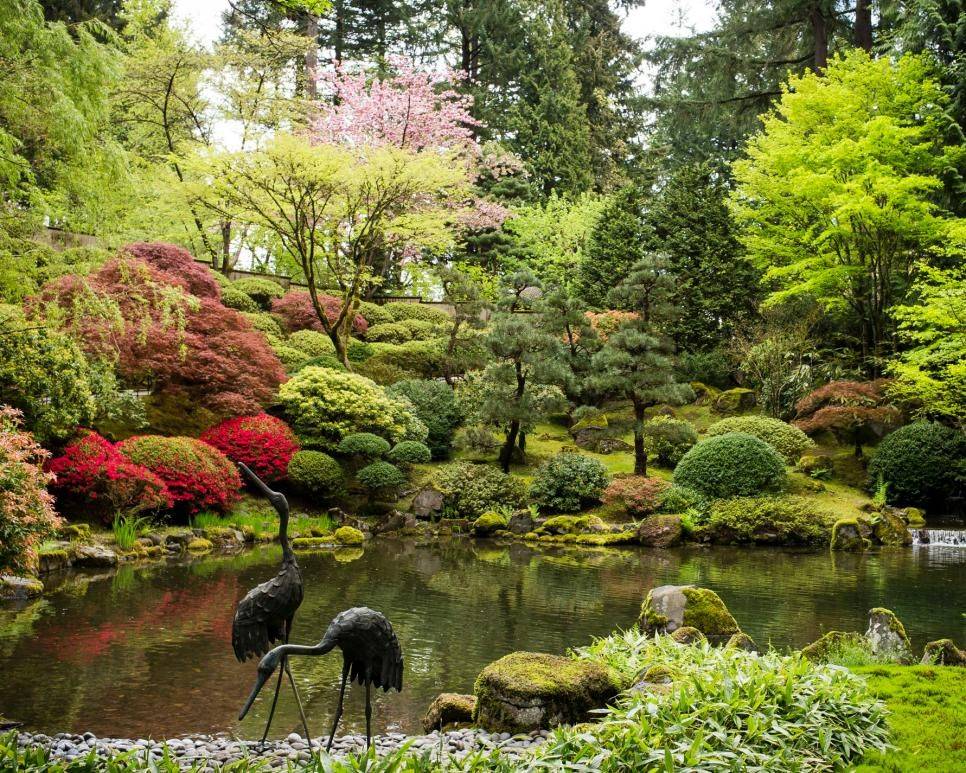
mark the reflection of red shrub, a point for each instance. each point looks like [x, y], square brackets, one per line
[198, 476]
[177, 261]
[175, 343]
[264, 443]
[636, 492]
[296, 311]
[94, 478]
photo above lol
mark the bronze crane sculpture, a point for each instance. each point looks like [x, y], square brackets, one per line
[371, 655]
[266, 613]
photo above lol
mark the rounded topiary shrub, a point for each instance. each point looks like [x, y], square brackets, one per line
[373, 313]
[234, 298]
[315, 472]
[568, 482]
[788, 440]
[363, 444]
[292, 359]
[920, 464]
[669, 439]
[410, 452]
[400, 310]
[264, 323]
[469, 490]
[264, 443]
[380, 477]
[324, 405]
[312, 342]
[639, 494]
[435, 405]
[261, 291]
[389, 333]
[198, 476]
[732, 465]
[681, 499]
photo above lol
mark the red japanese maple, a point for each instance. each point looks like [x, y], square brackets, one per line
[296, 312]
[179, 263]
[851, 410]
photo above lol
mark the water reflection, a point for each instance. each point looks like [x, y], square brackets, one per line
[147, 651]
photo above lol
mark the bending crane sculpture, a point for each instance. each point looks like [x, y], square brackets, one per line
[266, 613]
[371, 655]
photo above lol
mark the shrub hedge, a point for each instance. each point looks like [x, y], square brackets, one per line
[669, 439]
[435, 405]
[380, 476]
[234, 298]
[363, 444]
[923, 464]
[400, 311]
[732, 465]
[469, 490]
[769, 520]
[639, 495]
[568, 482]
[261, 291]
[312, 342]
[410, 452]
[315, 472]
[788, 440]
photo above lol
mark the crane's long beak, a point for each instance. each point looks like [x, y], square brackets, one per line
[259, 683]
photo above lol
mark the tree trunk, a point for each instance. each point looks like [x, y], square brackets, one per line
[506, 453]
[226, 262]
[820, 35]
[863, 24]
[311, 56]
[341, 350]
[640, 454]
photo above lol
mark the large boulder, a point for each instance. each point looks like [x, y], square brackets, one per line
[670, 607]
[94, 556]
[661, 531]
[943, 652]
[887, 636]
[846, 535]
[14, 588]
[737, 400]
[428, 503]
[818, 651]
[890, 528]
[488, 523]
[449, 709]
[526, 691]
[521, 522]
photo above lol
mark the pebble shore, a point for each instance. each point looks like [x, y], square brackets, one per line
[213, 751]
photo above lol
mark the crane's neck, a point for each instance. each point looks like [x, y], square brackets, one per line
[321, 648]
[287, 553]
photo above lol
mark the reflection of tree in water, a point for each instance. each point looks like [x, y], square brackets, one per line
[148, 650]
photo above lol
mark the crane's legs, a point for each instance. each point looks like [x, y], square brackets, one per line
[368, 717]
[271, 713]
[298, 702]
[338, 710]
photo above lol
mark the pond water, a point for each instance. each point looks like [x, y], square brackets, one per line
[146, 651]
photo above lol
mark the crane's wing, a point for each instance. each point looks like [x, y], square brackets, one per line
[261, 616]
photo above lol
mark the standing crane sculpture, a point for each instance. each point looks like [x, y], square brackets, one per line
[371, 655]
[266, 613]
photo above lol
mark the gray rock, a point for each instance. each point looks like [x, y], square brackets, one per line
[521, 522]
[94, 556]
[19, 588]
[428, 503]
[887, 636]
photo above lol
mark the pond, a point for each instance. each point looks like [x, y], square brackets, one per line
[146, 651]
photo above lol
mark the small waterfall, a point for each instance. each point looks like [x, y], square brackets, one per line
[948, 537]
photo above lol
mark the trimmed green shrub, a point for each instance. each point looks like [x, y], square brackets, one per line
[420, 329]
[292, 359]
[312, 342]
[325, 405]
[264, 323]
[769, 520]
[374, 314]
[329, 361]
[261, 291]
[380, 477]
[382, 373]
[469, 490]
[435, 405]
[423, 358]
[400, 311]
[234, 298]
[317, 473]
[788, 440]
[681, 499]
[410, 452]
[358, 351]
[568, 482]
[669, 439]
[732, 465]
[348, 535]
[363, 444]
[922, 464]
[391, 333]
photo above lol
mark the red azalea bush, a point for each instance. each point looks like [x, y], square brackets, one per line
[27, 515]
[296, 312]
[264, 443]
[639, 495]
[179, 344]
[93, 477]
[198, 476]
[178, 262]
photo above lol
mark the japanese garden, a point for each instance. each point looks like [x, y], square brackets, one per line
[482, 385]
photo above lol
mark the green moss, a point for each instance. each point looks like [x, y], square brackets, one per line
[707, 612]
[75, 531]
[199, 545]
[618, 538]
[347, 535]
[311, 543]
[348, 555]
[572, 524]
[688, 635]
[488, 523]
[915, 517]
[742, 641]
[660, 674]
[819, 651]
[846, 535]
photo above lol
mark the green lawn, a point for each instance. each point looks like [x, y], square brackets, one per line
[928, 717]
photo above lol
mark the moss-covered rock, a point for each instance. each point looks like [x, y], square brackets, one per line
[742, 641]
[312, 543]
[52, 560]
[75, 531]
[818, 651]
[526, 691]
[486, 524]
[887, 636]
[943, 652]
[914, 517]
[14, 588]
[815, 465]
[890, 529]
[602, 540]
[347, 535]
[670, 607]
[449, 709]
[572, 524]
[661, 531]
[846, 536]
[735, 400]
[199, 545]
[654, 679]
[688, 635]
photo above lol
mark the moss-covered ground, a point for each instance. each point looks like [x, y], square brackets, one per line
[927, 706]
